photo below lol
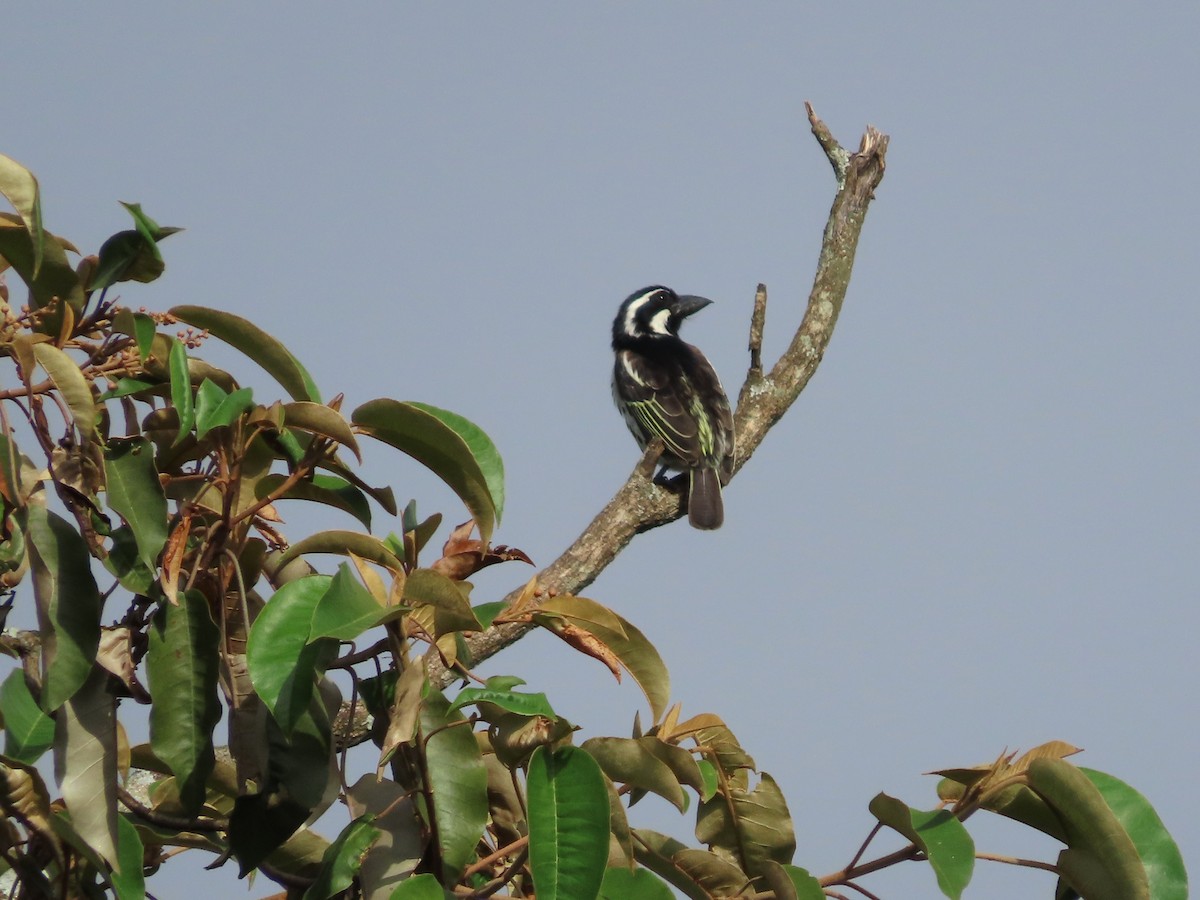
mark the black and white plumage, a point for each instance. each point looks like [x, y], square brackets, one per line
[665, 388]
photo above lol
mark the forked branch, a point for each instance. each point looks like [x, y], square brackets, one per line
[640, 504]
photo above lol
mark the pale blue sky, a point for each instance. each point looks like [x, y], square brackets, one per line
[977, 528]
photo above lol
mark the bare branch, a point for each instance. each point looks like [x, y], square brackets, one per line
[640, 504]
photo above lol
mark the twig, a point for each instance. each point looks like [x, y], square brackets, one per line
[862, 890]
[866, 843]
[177, 823]
[1018, 861]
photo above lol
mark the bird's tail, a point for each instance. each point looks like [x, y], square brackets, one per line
[705, 508]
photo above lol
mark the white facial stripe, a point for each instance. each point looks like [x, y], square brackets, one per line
[631, 311]
[658, 322]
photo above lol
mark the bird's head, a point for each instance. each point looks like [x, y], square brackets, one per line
[654, 312]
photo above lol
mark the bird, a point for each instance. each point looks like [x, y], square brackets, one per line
[665, 388]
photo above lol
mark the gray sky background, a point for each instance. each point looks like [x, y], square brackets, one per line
[976, 529]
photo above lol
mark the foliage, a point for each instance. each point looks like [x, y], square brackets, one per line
[153, 505]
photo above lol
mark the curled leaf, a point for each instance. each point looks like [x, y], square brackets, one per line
[462, 557]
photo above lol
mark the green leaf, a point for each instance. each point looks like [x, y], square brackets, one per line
[28, 732]
[135, 493]
[390, 862]
[708, 772]
[275, 359]
[132, 255]
[343, 859]
[640, 884]
[583, 612]
[300, 854]
[259, 824]
[1101, 861]
[127, 256]
[283, 664]
[452, 609]
[347, 609]
[182, 663]
[326, 489]
[344, 543]
[138, 326]
[216, 409]
[694, 873]
[568, 824]
[68, 603]
[50, 278]
[384, 496]
[418, 887]
[942, 837]
[20, 188]
[628, 761]
[789, 882]
[642, 661]
[753, 825]
[629, 645]
[128, 881]
[436, 445]
[457, 784]
[486, 612]
[127, 387]
[1158, 851]
[482, 448]
[299, 763]
[72, 385]
[85, 763]
[681, 762]
[126, 878]
[321, 420]
[146, 226]
[512, 701]
[125, 564]
[181, 390]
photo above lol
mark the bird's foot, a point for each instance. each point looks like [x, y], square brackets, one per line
[667, 480]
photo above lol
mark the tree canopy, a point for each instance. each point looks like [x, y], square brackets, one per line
[140, 489]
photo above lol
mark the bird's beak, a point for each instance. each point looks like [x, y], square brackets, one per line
[687, 304]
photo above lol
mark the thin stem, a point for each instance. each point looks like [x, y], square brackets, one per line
[845, 876]
[1018, 861]
[862, 890]
[517, 845]
[863, 849]
[506, 876]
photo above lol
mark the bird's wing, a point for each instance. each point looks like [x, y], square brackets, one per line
[659, 408]
[716, 441]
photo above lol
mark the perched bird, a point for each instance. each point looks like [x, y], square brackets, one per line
[666, 389]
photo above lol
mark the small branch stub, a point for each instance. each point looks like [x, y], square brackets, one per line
[757, 321]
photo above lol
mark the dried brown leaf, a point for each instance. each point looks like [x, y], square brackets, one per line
[585, 642]
[23, 794]
[115, 655]
[268, 513]
[463, 556]
[172, 558]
